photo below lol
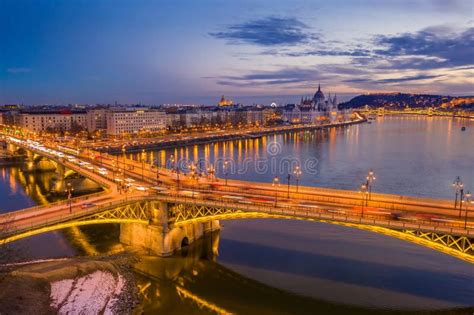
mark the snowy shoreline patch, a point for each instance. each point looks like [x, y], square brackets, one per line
[93, 293]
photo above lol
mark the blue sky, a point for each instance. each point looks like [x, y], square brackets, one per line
[59, 52]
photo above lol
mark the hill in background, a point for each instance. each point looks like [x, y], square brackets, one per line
[398, 101]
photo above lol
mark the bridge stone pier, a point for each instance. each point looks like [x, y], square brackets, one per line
[160, 237]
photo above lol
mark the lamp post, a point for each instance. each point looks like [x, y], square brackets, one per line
[194, 176]
[116, 163]
[69, 191]
[157, 176]
[211, 171]
[297, 172]
[226, 171]
[467, 199]
[288, 178]
[143, 163]
[176, 168]
[458, 187]
[123, 157]
[276, 183]
[370, 179]
[363, 191]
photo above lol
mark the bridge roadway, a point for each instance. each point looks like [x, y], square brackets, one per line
[211, 199]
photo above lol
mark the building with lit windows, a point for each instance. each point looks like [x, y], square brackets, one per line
[96, 119]
[132, 121]
[52, 120]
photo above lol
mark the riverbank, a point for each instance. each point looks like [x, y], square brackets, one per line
[80, 285]
[422, 114]
[228, 136]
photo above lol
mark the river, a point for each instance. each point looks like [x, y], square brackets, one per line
[313, 266]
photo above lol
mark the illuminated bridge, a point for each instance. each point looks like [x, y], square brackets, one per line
[164, 222]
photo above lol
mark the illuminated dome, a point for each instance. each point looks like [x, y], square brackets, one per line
[319, 95]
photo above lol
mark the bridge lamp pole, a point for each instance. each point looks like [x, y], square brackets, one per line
[174, 164]
[69, 191]
[211, 171]
[226, 171]
[288, 178]
[364, 192]
[467, 199]
[123, 157]
[157, 175]
[457, 186]
[276, 183]
[370, 179]
[297, 172]
[143, 162]
[193, 176]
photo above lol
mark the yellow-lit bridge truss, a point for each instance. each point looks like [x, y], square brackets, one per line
[181, 213]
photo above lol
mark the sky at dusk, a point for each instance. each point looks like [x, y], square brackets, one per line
[154, 52]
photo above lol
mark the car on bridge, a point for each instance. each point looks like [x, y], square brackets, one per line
[87, 205]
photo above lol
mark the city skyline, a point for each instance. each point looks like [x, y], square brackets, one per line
[165, 52]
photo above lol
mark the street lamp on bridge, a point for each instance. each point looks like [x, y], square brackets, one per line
[370, 179]
[69, 191]
[276, 184]
[297, 172]
[467, 199]
[175, 166]
[211, 171]
[363, 190]
[226, 171]
[288, 178]
[458, 187]
[143, 162]
[194, 177]
[123, 157]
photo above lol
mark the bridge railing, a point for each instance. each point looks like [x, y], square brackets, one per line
[76, 213]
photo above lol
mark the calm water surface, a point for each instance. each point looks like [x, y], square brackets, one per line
[283, 267]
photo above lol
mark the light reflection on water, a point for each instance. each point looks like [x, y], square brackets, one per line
[411, 155]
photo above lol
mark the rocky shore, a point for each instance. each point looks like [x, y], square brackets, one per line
[80, 285]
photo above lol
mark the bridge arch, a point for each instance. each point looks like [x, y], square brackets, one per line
[185, 242]
[461, 247]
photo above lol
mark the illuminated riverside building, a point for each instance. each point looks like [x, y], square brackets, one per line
[52, 120]
[312, 110]
[131, 121]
